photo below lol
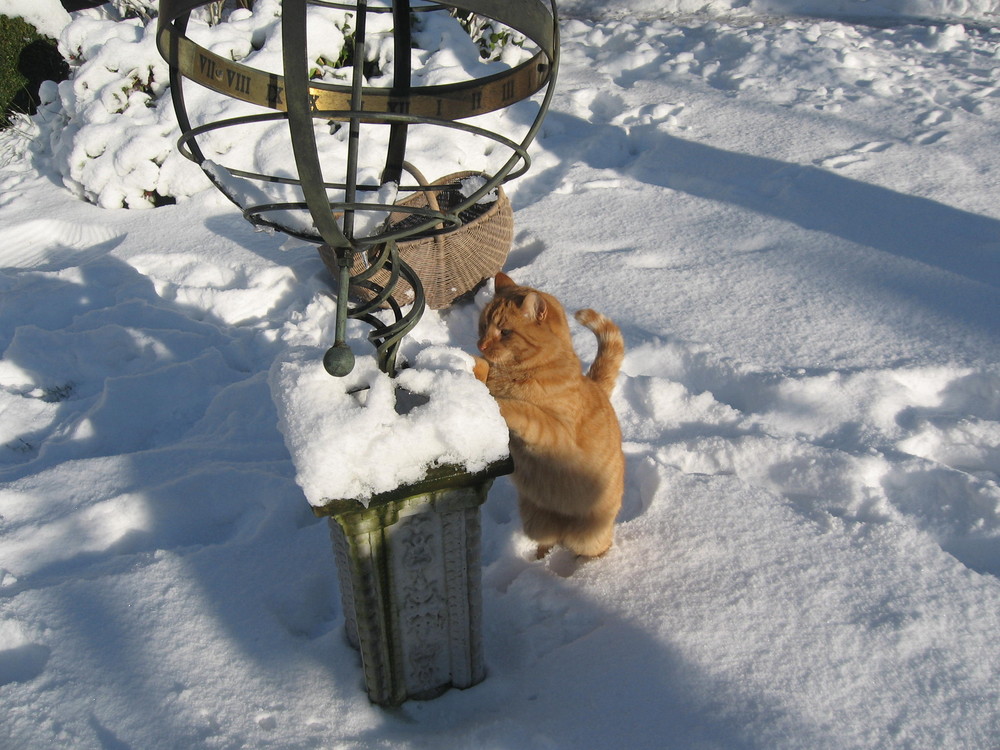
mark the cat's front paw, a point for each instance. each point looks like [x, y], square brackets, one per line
[480, 368]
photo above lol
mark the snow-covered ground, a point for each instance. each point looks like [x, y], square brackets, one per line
[796, 223]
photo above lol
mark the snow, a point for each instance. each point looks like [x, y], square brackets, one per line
[48, 16]
[335, 428]
[794, 221]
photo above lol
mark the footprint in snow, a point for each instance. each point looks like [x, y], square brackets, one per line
[662, 113]
[929, 137]
[855, 155]
[962, 432]
[21, 659]
[934, 117]
[930, 120]
[596, 106]
[872, 147]
[527, 247]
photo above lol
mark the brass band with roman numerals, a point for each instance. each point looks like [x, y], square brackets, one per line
[446, 102]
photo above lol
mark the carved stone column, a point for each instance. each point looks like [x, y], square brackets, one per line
[410, 583]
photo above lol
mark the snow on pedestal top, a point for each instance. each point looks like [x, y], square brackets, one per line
[348, 440]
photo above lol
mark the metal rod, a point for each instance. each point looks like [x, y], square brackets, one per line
[354, 127]
[177, 86]
[300, 122]
[396, 151]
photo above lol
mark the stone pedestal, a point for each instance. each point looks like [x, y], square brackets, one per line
[410, 583]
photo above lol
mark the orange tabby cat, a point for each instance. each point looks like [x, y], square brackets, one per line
[565, 441]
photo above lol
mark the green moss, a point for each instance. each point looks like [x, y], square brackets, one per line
[26, 59]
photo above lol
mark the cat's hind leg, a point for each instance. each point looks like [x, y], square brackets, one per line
[541, 526]
[590, 537]
[542, 550]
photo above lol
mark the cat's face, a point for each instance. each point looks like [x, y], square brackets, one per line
[519, 324]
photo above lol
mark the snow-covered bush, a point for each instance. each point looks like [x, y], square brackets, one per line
[145, 9]
[108, 129]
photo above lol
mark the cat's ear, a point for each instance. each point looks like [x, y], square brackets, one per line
[533, 307]
[502, 281]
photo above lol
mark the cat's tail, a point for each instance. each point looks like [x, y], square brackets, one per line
[610, 348]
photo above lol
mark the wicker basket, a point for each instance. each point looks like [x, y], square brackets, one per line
[448, 265]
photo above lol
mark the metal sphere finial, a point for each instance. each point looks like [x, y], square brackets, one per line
[339, 360]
